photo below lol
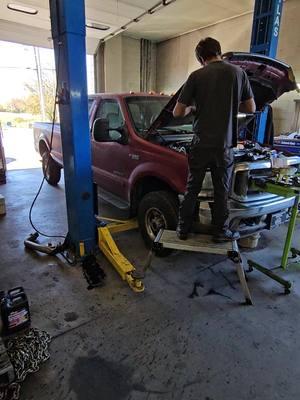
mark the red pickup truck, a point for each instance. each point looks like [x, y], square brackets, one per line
[139, 154]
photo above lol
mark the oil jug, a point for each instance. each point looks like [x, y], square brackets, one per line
[15, 312]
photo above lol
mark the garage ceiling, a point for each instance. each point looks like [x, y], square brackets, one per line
[169, 21]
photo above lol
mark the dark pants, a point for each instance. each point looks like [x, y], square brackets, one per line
[220, 163]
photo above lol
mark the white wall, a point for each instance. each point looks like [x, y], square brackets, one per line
[122, 64]
[175, 57]
[113, 64]
[131, 53]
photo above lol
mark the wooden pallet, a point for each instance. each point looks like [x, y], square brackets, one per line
[196, 242]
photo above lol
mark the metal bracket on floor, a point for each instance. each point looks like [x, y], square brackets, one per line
[286, 284]
[111, 251]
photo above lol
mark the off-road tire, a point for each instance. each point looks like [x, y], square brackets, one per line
[160, 205]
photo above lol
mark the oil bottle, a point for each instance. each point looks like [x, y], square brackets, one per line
[15, 312]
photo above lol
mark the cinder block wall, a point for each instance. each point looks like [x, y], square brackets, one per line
[176, 60]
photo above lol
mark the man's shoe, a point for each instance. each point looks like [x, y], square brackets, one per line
[226, 235]
[182, 235]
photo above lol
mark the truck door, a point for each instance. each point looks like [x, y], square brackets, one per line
[110, 158]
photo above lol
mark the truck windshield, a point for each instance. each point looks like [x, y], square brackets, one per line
[144, 110]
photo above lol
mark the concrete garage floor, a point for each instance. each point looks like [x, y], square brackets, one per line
[112, 344]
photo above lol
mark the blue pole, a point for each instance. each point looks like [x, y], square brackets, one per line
[266, 27]
[68, 33]
[264, 40]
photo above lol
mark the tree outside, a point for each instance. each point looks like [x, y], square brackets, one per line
[31, 103]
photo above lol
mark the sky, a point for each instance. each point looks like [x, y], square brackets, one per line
[17, 67]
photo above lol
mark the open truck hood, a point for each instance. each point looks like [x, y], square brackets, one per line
[269, 79]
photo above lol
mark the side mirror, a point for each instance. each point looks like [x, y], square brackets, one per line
[101, 130]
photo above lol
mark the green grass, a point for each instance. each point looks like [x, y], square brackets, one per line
[18, 120]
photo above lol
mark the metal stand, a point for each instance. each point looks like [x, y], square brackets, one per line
[284, 191]
[204, 244]
[286, 284]
[290, 233]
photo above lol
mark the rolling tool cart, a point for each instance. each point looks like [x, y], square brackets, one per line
[204, 244]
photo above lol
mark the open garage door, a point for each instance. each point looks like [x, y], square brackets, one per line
[27, 94]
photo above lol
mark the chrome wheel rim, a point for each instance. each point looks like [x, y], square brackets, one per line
[154, 221]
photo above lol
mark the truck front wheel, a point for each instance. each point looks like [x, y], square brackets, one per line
[157, 210]
[51, 170]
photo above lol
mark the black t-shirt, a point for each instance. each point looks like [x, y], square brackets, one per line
[216, 90]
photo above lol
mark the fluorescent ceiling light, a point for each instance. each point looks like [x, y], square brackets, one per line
[22, 9]
[95, 25]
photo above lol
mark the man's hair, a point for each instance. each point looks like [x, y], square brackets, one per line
[207, 48]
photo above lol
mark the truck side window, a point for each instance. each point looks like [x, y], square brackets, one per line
[110, 110]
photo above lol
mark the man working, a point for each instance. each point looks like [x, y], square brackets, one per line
[218, 91]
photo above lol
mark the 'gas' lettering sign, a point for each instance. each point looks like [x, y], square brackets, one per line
[276, 24]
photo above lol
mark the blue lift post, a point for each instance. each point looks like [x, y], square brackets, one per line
[68, 33]
[264, 40]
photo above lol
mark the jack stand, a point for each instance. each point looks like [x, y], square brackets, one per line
[92, 272]
[286, 284]
[204, 244]
[111, 251]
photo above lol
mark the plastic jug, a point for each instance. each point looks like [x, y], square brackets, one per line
[15, 311]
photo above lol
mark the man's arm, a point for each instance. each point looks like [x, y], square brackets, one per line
[185, 99]
[247, 106]
[181, 110]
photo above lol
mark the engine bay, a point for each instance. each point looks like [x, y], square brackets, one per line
[246, 151]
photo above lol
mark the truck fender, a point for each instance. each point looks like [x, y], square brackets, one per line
[168, 176]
